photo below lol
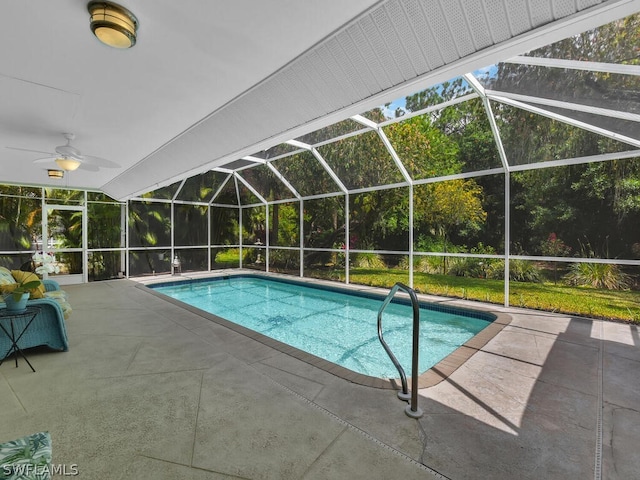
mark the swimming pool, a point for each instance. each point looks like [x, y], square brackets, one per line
[335, 324]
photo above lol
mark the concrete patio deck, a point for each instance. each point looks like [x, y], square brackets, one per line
[151, 390]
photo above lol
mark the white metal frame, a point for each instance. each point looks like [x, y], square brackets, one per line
[526, 102]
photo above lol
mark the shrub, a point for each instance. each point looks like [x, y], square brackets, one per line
[468, 267]
[554, 247]
[286, 259]
[249, 255]
[598, 275]
[423, 264]
[367, 260]
[519, 271]
[435, 264]
[473, 267]
[430, 264]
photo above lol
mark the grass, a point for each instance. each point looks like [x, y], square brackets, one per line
[619, 305]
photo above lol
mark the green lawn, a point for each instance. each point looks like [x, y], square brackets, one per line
[582, 301]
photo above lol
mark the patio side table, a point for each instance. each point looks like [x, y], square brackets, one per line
[8, 317]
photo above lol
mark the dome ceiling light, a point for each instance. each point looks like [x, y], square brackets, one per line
[112, 24]
[67, 164]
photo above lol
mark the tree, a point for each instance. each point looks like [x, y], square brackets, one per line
[444, 206]
[466, 125]
[20, 218]
[149, 226]
[105, 234]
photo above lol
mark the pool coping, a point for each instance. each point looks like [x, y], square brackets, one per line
[436, 374]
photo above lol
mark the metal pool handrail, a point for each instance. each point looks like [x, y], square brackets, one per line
[412, 409]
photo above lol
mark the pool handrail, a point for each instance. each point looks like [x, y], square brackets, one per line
[412, 409]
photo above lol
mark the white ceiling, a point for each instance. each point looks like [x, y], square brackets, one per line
[211, 81]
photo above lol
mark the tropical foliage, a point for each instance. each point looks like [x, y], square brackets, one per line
[598, 275]
[26, 457]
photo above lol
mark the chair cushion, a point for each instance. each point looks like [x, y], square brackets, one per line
[5, 277]
[27, 457]
[60, 297]
[50, 285]
[21, 276]
[56, 294]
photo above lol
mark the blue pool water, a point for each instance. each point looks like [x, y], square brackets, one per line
[337, 325]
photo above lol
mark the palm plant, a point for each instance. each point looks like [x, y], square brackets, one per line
[598, 275]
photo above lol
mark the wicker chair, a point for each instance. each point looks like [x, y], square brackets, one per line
[47, 329]
[50, 285]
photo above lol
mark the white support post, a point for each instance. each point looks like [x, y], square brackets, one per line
[240, 226]
[209, 237]
[85, 240]
[411, 235]
[301, 238]
[266, 238]
[507, 233]
[173, 241]
[346, 239]
[126, 244]
[507, 177]
[240, 229]
[124, 220]
[45, 229]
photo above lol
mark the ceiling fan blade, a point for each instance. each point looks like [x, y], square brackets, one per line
[52, 161]
[29, 150]
[88, 167]
[69, 151]
[86, 162]
[99, 162]
[45, 159]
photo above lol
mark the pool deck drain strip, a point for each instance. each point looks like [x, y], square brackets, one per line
[597, 471]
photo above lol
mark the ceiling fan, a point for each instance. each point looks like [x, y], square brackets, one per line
[69, 158]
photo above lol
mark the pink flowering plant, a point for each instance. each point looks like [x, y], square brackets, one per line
[554, 247]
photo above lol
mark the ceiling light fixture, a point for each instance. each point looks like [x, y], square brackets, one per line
[112, 24]
[67, 164]
[57, 174]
